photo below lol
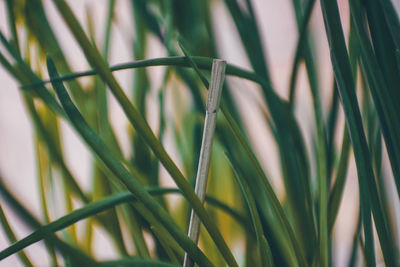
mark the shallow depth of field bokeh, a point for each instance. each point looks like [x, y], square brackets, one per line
[19, 163]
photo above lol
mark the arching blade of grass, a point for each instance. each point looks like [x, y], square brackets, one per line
[56, 155]
[369, 194]
[263, 246]
[121, 172]
[12, 238]
[204, 63]
[69, 253]
[100, 206]
[141, 126]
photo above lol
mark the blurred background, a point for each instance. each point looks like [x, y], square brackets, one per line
[279, 33]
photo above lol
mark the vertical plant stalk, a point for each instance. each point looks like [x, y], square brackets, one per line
[214, 97]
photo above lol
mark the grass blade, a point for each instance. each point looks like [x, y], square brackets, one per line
[12, 238]
[264, 250]
[383, 97]
[120, 171]
[70, 253]
[366, 178]
[276, 206]
[142, 127]
[98, 207]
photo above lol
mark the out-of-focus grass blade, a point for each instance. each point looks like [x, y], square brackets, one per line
[381, 90]
[331, 125]
[204, 63]
[321, 142]
[23, 73]
[137, 263]
[354, 245]
[69, 253]
[165, 243]
[141, 85]
[151, 21]
[12, 25]
[335, 196]
[344, 79]
[294, 164]
[94, 58]
[107, 35]
[54, 151]
[249, 152]
[121, 172]
[392, 20]
[369, 194]
[63, 222]
[100, 206]
[301, 42]
[41, 30]
[263, 246]
[250, 37]
[12, 238]
[384, 46]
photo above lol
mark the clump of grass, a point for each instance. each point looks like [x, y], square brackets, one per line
[127, 198]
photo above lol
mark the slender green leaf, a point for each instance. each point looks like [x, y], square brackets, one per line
[120, 171]
[263, 246]
[369, 195]
[141, 126]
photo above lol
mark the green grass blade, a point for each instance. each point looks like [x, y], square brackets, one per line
[141, 126]
[301, 42]
[75, 255]
[120, 171]
[257, 166]
[137, 263]
[384, 46]
[12, 25]
[41, 30]
[204, 63]
[343, 74]
[23, 73]
[100, 206]
[250, 37]
[141, 86]
[392, 20]
[336, 194]
[321, 142]
[12, 238]
[263, 246]
[385, 104]
[354, 245]
[341, 173]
